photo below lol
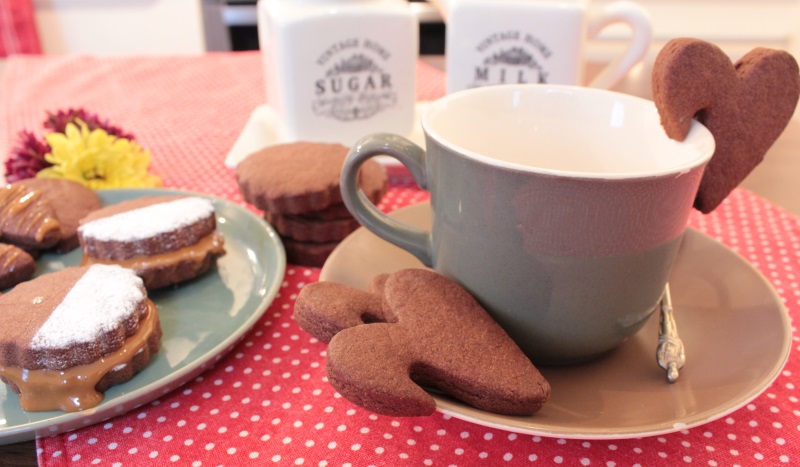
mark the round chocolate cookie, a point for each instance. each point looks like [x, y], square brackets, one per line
[69, 335]
[70, 200]
[340, 211]
[165, 239]
[311, 254]
[298, 178]
[27, 218]
[16, 266]
[307, 228]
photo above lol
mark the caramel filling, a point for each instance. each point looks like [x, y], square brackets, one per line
[197, 253]
[23, 210]
[73, 389]
[8, 257]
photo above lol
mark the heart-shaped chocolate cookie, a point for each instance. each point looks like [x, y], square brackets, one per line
[414, 329]
[745, 105]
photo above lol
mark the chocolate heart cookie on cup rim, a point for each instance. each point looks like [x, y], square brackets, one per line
[745, 105]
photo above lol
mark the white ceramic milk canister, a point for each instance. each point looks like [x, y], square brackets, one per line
[337, 70]
[535, 41]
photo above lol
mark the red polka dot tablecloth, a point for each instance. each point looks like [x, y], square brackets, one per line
[268, 402]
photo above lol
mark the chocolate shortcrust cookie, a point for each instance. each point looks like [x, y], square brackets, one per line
[746, 105]
[297, 187]
[165, 239]
[298, 178]
[307, 253]
[414, 329]
[27, 218]
[304, 228]
[16, 266]
[70, 201]
[67, 336]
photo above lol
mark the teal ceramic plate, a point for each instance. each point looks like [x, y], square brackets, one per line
[202, 320]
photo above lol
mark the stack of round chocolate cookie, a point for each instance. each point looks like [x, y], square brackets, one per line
[297, 187]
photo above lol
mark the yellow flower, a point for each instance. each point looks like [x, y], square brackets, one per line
[97, 159]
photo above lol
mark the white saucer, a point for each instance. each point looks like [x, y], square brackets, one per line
[736, 332]
[260, 131]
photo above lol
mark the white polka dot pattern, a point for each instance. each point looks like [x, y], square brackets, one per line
[268, 401]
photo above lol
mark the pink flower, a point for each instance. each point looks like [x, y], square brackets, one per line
[58, 121]
[27, 158]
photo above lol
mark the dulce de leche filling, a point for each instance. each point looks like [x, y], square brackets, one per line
[8, 256]
[73, 389]
[25, 209]
[197, 253]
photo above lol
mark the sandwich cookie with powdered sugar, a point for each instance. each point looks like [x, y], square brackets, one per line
[67, 336]
[165, 239]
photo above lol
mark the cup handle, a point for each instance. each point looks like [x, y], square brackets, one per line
[642, 31]
[416, 241]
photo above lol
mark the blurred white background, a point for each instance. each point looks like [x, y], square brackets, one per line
[115, 27]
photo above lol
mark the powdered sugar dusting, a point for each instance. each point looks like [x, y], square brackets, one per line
[104, 296]
[149, 221]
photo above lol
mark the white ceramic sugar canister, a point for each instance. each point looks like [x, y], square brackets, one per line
[537, 41]
[337, 70]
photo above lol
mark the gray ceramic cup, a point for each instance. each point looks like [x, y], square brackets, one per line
[560, 208]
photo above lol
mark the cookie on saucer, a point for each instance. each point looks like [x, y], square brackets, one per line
[417, 329]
